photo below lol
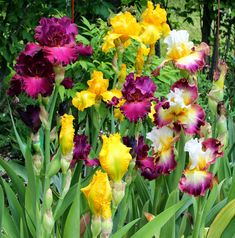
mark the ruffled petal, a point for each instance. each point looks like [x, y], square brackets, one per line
[191, 119]
[84, 99]
[148, 168]
[163, 115]
[61, 55]
[189, 91]
[134, 111]
[214, 146]
[34, 86]
[196, 182]
[165, 162]
[194, 61]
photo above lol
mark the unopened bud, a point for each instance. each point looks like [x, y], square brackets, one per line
[65, 162]
[59, 73]
[54, 165]
[206, 131]
[48, 199]
[37, 164]
[67, 183]
[118, 192]
[43, 116]
[36, 142]
[149, 216]
[95, 226]
[106, 228]
[48, 221]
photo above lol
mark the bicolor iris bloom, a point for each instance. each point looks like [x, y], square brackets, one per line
[114, 157]
[202, 154]
[123, 28]
[138, 94]
[180, 108]
[34, 73]
[66, 134]
[153, 24]
[57, 38]
[99, 195]
[183, 53]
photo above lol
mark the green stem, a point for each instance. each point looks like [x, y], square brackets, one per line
[112, 121]
[197, 226]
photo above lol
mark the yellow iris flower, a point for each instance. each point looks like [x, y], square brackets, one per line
[154, 24]
[66, 134]
[124, 26]
[99, 195]
[114, 157]
[87, 98]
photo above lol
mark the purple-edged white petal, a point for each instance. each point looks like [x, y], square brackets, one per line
[163, 115]
[191, 119]
[189, 91]
[196, 182]
[165, 161]
[214, 146]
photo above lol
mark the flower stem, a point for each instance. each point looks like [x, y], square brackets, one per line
[197, 226]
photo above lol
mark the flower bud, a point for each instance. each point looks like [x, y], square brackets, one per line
[43, 115]
[59, 73]
[106, 228]
[48, 221]
[65, 162]
[54, 166]
[95, 225]
[36, 142]
[37, 164]
[48, 199]
[118, 192]
[67, 183]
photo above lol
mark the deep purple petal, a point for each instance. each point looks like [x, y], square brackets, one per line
[15, 86]
[81, 148]
[141, 149]
[31, 117]
[148, 168]
[84, 50]
[67, 83]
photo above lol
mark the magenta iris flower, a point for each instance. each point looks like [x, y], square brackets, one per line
[138, 94]
[57, 37]
[34, 73]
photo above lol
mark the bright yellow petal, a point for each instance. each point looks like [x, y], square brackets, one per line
[108, 95]
[109, 41]
[99, 195]
[114, 157]
[97, 84]
[66, 134]
[84, 99]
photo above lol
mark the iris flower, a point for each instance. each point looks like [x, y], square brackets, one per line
[114, 157]
[87, 98]
[34, 73]
[123, 28]
[183, 53]
[180, 108]
[99, 195]
[138, 94]
[57, 38]
[153, 24]
[196, 178]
